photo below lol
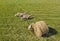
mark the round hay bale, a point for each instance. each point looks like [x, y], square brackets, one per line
[39, 28]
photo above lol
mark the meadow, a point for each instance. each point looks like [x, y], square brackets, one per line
[14, 29]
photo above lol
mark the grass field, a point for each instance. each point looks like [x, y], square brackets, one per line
[14, 29]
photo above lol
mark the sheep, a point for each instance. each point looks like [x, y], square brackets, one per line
[23, 15]
[40, 28]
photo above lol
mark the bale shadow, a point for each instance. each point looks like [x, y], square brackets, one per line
[51, 32]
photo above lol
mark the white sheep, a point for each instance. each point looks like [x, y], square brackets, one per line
[23, 15]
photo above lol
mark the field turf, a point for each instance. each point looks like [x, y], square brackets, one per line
[14, 29]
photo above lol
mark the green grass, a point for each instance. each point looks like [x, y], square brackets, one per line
[14, 29]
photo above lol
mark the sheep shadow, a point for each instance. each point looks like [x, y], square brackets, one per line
[51, 32]
[28, 18]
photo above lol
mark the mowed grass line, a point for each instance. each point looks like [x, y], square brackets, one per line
[14, 29]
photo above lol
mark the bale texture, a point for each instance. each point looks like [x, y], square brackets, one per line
[39, 28]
